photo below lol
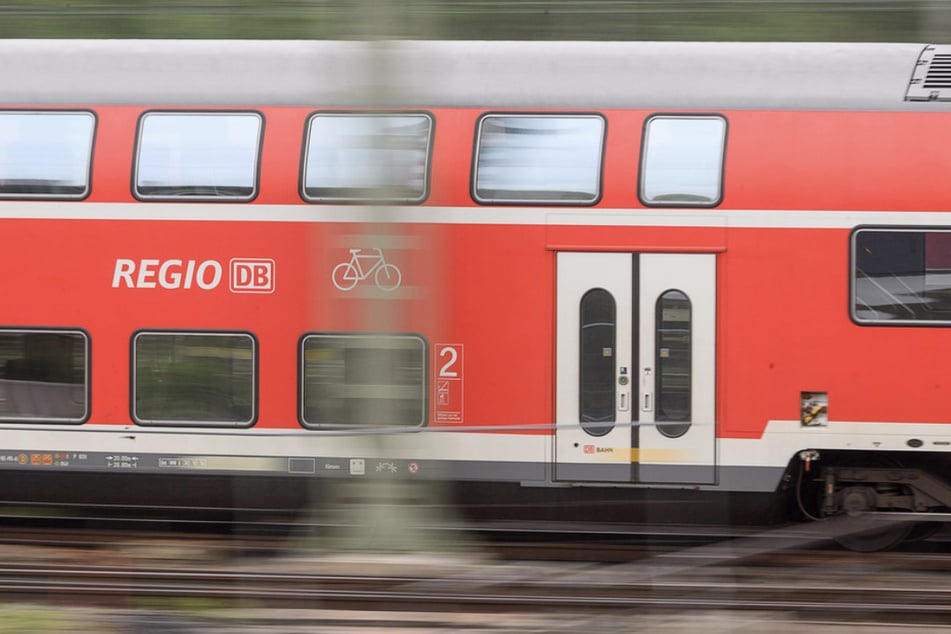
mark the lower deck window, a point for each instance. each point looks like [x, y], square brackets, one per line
[901, 276]
[363, 380]
[193, 378]
[44, 376]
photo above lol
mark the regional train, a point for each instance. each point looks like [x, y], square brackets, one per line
[587, 273]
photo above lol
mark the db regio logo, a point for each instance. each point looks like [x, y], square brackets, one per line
[246, 275]
[252, 275]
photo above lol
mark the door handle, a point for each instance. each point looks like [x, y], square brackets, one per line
[624, 393]
[647, 389]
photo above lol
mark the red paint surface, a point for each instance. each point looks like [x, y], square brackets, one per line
[783, 322]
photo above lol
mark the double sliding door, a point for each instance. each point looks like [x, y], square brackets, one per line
[635, 368]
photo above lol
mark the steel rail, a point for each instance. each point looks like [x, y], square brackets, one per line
[518, 592]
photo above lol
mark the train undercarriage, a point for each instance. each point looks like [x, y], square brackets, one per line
[905, 497]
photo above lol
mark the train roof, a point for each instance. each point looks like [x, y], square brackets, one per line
[483, 74]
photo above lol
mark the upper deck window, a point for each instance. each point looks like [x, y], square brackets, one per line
[45, 153]
[545, 159]
[901, 276]
[198, 155]
[682, 161]
[367, 157]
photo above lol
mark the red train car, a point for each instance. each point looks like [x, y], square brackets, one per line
[580, 270]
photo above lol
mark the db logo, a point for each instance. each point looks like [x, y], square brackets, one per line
[252, 275]
[589, 448]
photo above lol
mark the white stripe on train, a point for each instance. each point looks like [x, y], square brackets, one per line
[539, 216]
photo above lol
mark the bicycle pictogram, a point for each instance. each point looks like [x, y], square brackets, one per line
[346, 275]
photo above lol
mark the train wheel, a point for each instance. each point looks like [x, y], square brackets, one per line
[923, 530]
[877, 540]
[863, 486]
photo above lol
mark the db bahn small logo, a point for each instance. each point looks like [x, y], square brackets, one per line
[252, 275]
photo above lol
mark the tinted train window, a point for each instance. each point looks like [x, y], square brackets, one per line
[598, 357]
[682, 161]
[901, 276]
[45, 154]
[193, 378]
[673, 322]
[367, 380]
[44, 376]
[198, 155]
[539, 159]
[367, 157]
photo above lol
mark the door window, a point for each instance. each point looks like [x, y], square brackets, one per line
[598, 343]
[673, 322]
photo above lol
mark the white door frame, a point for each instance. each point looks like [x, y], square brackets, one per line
[633, 447]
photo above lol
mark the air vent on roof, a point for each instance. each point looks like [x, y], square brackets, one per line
[931, 80]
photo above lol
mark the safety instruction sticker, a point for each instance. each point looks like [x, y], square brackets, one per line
[448, 383]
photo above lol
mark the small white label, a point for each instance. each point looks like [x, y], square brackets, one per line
[358, 466]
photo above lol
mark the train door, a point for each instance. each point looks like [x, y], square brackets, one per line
[635, 368]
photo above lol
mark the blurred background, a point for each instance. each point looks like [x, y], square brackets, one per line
[778, 20]
[926, 21]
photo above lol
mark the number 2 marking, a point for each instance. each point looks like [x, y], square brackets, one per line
[444, 371]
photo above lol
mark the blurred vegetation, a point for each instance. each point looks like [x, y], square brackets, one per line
[779, 20]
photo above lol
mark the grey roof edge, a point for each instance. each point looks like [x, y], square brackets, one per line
[481, 74]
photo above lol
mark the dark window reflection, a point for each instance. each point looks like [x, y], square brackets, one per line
[544, 159]
[673, 323]
[901, 276]
[373, 380]
[45, 154]
[598, 352]
[43, 376]
[363, 157]
[186, 378]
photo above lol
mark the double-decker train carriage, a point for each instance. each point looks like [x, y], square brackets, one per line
[578, 270]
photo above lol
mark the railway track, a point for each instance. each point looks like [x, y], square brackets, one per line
[747, 574]
[412, 585]
[678, 573]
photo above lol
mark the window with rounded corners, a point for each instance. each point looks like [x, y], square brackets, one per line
[901, 276]
[539, 159]
[202, 156]
[44, 376]
[194, 378]
[46, 153]
[363, 380]
[367, 157]
[673, 321]
[597, 362]
[682, 160]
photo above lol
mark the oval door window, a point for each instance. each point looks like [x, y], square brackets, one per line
[673, 387]
[598, 341]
